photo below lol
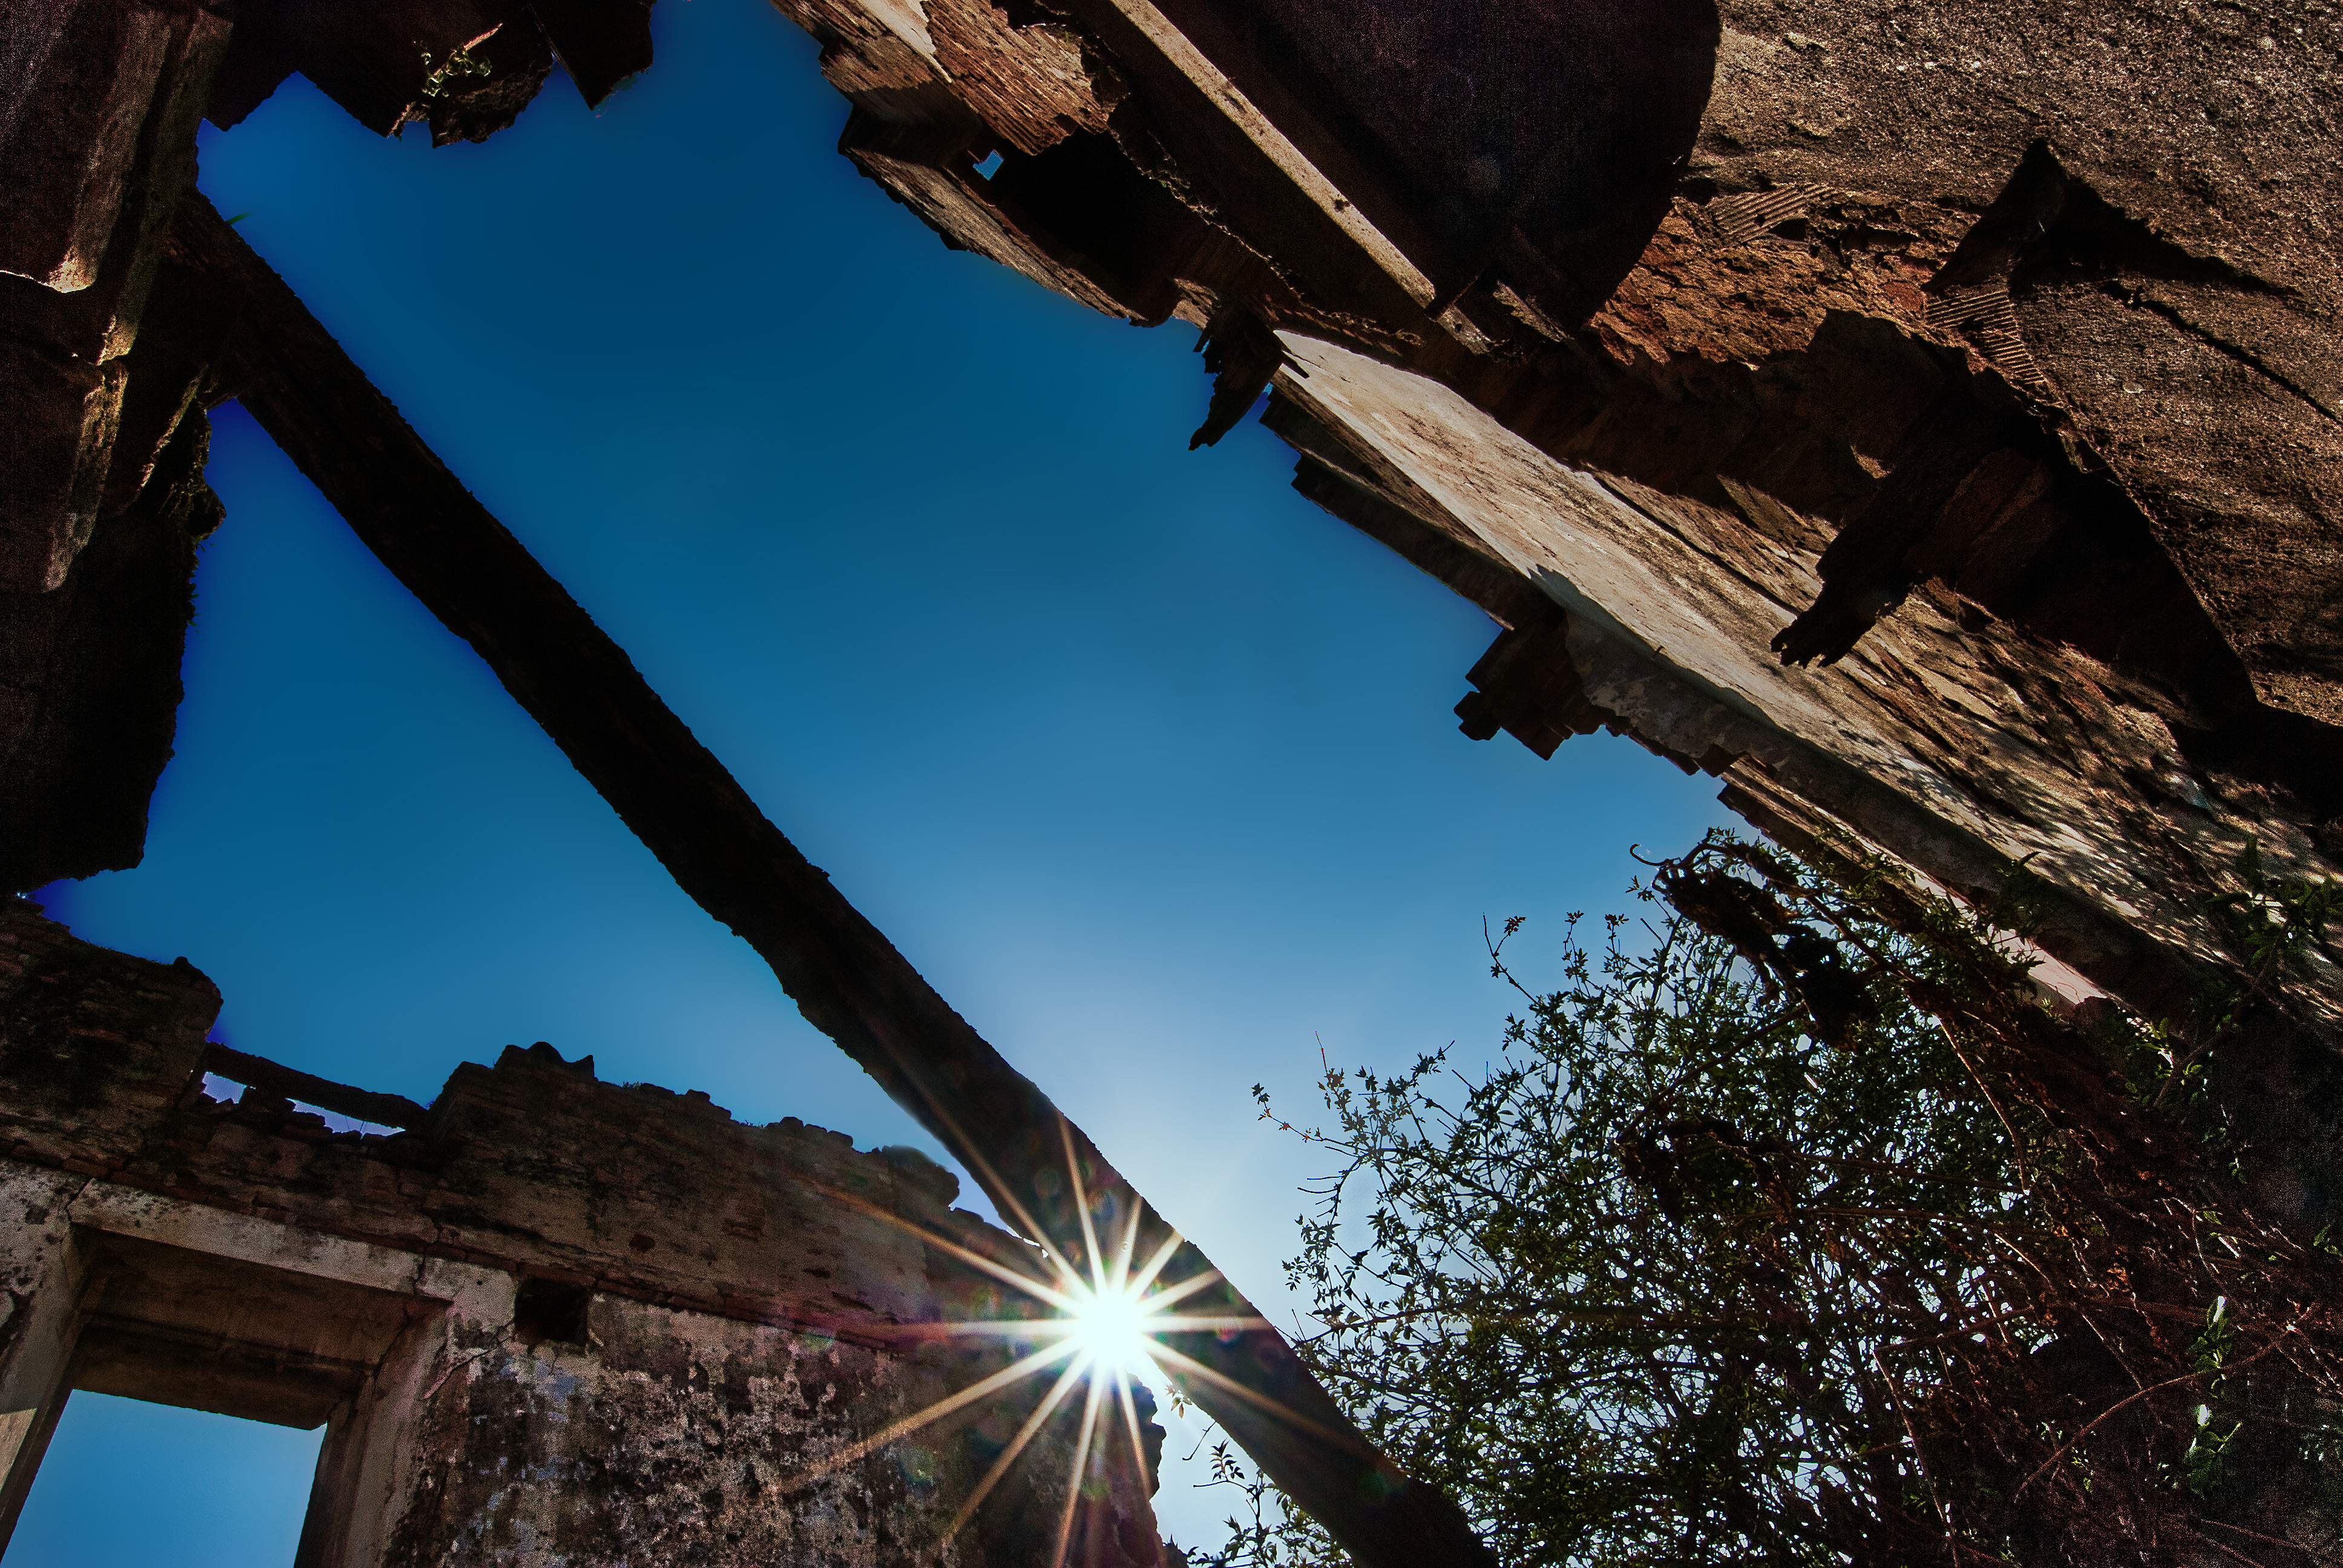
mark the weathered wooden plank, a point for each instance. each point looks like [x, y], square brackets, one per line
[844, 975]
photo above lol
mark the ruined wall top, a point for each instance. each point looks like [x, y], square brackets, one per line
[546, 1315]
[532, 1166]
[1921, 417]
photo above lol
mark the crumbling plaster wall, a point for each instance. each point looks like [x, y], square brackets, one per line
[1949, 465]
[1975, 359]
[670, 1436]
[2189, 332]
[1981, 354]
[556, 1321]
[2116, 209]
[1944, 735]
[2035, 304]
[1946, 738]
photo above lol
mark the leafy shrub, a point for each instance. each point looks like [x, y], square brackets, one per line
[1796, 1227]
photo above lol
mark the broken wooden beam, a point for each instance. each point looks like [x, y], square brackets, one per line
[308, 1088]
[846, 978]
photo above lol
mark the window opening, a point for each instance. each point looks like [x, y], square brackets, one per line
[130, 1485]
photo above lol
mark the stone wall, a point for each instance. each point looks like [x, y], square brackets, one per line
[550, 1319]
[1921, 417]
[1981, 354]
[1947, 463]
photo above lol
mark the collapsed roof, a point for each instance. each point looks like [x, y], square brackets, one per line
[1924, 420]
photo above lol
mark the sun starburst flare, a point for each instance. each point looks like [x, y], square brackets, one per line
[1104, 1334]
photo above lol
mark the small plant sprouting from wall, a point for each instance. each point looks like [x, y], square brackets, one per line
[443, 80]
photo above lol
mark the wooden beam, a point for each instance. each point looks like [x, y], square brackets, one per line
[291, 1083]
[846, 978]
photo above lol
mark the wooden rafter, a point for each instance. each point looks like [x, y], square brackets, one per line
[846, 978]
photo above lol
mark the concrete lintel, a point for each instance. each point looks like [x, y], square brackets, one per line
[467, 1289]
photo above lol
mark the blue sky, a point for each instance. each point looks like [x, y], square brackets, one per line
[1145, 761]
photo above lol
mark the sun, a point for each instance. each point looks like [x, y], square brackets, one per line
[1113, 1330]
[1105, 1336]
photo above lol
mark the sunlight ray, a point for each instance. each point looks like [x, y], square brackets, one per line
[1131, 1425]
[1145, 1322]
[999, 1190]
[1195, 1368]
[943, 1407]
[1185, 1288]
[1039, 1290]
[1033, 1423]
[1075, 1481]
[1082, 1206]
[1119, 1277]
[1162, 1255]
[1109, 1324]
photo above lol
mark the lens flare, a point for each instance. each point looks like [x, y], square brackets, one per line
[1105, 1333]
[1110, 1330]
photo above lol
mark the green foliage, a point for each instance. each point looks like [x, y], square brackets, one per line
[2205, 1458]
[441, 80]
[1275, 1532]
[2269, 924]
[1641, 1290]
[1793, 1228]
